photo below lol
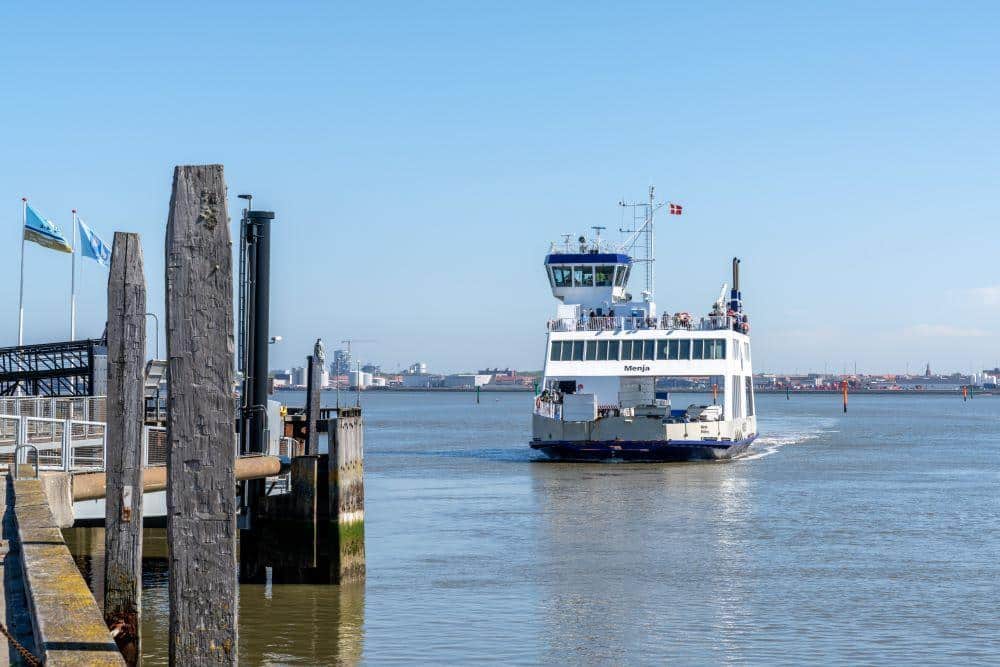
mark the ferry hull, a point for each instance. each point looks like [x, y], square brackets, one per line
[642, 451]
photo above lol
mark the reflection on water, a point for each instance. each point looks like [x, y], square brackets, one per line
[279, 624]
[627, 549]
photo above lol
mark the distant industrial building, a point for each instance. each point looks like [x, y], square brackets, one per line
[360, 379]
[466, 380]
[421, 380]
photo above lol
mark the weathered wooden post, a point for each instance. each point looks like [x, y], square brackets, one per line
[123, 505]
[201, 487]
[346, 474]
[314, 372]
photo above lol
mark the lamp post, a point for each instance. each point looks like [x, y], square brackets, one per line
[156, 323]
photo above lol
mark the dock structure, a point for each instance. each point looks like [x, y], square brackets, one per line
[59, 465]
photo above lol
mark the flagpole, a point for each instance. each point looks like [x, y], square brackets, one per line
[20, 302]
[72, 283]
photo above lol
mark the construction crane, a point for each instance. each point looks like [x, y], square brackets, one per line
[349, 341]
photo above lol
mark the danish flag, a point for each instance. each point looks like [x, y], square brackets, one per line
[676, 209]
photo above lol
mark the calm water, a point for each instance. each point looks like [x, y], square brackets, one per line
[844, 539]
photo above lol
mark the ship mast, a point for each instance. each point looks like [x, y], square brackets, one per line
[642, 230]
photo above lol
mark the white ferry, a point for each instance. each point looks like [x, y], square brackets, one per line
[611, 360]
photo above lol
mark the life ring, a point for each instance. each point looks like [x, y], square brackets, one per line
[684, 318]
[746, 328]
[579, 387]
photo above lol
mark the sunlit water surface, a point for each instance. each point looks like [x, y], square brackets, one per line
[841, 539]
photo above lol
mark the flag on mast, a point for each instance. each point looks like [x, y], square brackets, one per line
[676, 209]
[93, 246]
[39, 229]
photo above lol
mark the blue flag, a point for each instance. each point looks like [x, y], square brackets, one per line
[44, 232]
[92, 246]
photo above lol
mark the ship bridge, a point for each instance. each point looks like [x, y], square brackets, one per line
[592, 279]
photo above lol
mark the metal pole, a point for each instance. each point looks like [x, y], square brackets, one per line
[72, 284]
[20, 302]
[156, 322]
[261, 220]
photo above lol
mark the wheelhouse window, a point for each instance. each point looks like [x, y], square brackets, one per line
[604, 276]
[648, 347]
[591, 352]
[583, 276]
[556, 352]
[698, 349]
[749, 392]
[613, 348]
[577, 350]
[562, 276]
[621, 275]
[602, 350]
[662, 348]
[626, 350]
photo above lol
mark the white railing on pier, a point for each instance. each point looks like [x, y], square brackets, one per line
[70, 444]
[680, 321]
[85, 408]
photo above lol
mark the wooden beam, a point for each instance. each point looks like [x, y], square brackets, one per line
[201, 486]
[123, 509]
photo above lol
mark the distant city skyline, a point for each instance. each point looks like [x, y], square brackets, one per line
[420, 159]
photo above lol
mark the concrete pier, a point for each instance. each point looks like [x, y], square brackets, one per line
[67, 626]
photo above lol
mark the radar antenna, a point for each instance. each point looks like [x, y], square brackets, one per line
[597, 237]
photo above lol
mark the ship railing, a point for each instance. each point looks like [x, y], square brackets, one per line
[678, 322]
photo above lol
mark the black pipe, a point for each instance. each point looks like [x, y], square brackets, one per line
[736, 274]
[260, 223]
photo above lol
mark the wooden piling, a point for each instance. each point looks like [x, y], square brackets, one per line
[201, 489]
[314, 374]
[347, 496]
[123, 507]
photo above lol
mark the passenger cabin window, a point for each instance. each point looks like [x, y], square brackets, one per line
[604, 276]
[562, 276]
[583, 276]
[709, 348]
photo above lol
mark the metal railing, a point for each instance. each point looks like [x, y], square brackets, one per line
[71, 444]
[680, 321]
[86, 408]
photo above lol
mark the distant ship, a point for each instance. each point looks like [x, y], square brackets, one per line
[605, 351]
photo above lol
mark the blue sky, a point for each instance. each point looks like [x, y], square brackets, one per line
[420, 156]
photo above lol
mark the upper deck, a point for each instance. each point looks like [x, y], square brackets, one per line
[665, 322]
